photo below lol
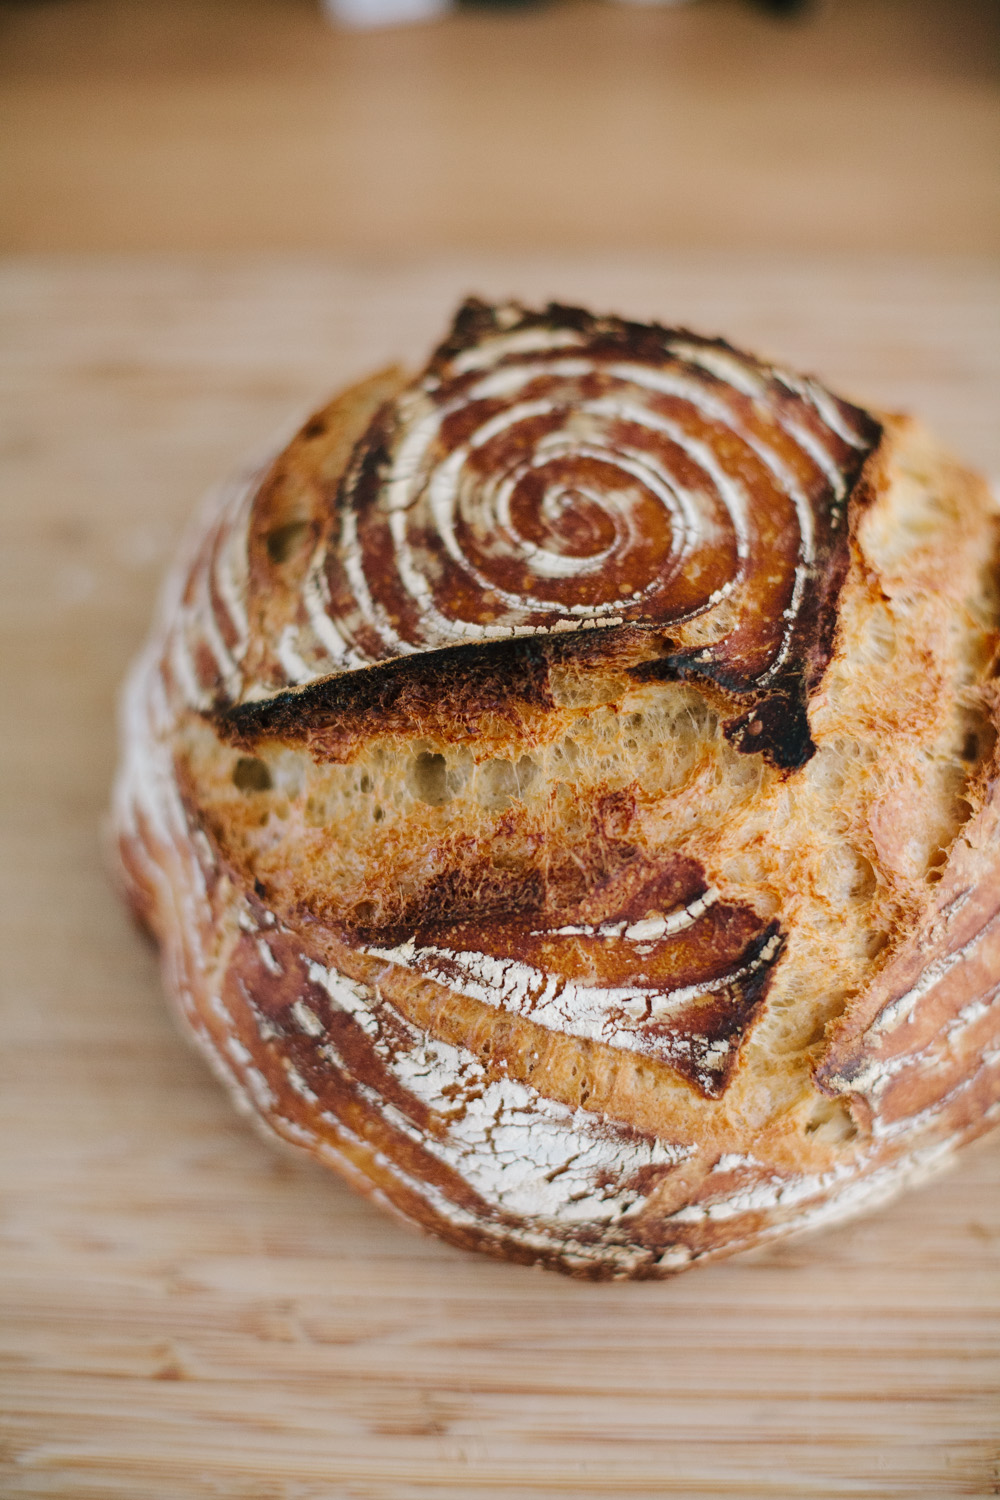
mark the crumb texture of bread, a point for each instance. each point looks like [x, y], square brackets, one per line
[564, 787]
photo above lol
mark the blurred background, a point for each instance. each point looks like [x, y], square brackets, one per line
[223, 125]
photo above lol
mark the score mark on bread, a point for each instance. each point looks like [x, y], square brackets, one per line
[540, 769]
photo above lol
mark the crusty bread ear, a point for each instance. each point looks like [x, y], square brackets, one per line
[564, 791]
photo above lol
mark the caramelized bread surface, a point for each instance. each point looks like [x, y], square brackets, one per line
[564, 788]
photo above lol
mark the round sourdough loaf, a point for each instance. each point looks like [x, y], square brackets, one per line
[564, 788]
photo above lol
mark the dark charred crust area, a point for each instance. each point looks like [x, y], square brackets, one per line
[704, 1042]
[777, 725]
[478, 321]
[455, 693]
[358, 493]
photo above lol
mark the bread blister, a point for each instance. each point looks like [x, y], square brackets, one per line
[563, 786]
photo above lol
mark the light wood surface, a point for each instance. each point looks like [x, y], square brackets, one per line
[250, 124]
[182, 1311]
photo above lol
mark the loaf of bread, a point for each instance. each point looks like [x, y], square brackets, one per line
[564, 788]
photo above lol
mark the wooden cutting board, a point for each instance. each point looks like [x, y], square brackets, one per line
[185, 1313]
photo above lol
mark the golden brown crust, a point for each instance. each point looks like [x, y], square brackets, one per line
[564, 788]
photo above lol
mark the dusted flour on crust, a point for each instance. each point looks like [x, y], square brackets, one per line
[564, 788]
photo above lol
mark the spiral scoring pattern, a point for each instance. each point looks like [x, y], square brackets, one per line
[557, 471]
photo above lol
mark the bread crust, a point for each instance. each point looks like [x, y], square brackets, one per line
[564, 788]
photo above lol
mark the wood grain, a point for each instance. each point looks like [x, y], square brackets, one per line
[236, 124]
[183, 1311]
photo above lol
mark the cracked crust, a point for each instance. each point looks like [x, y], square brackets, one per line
[564, 788]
